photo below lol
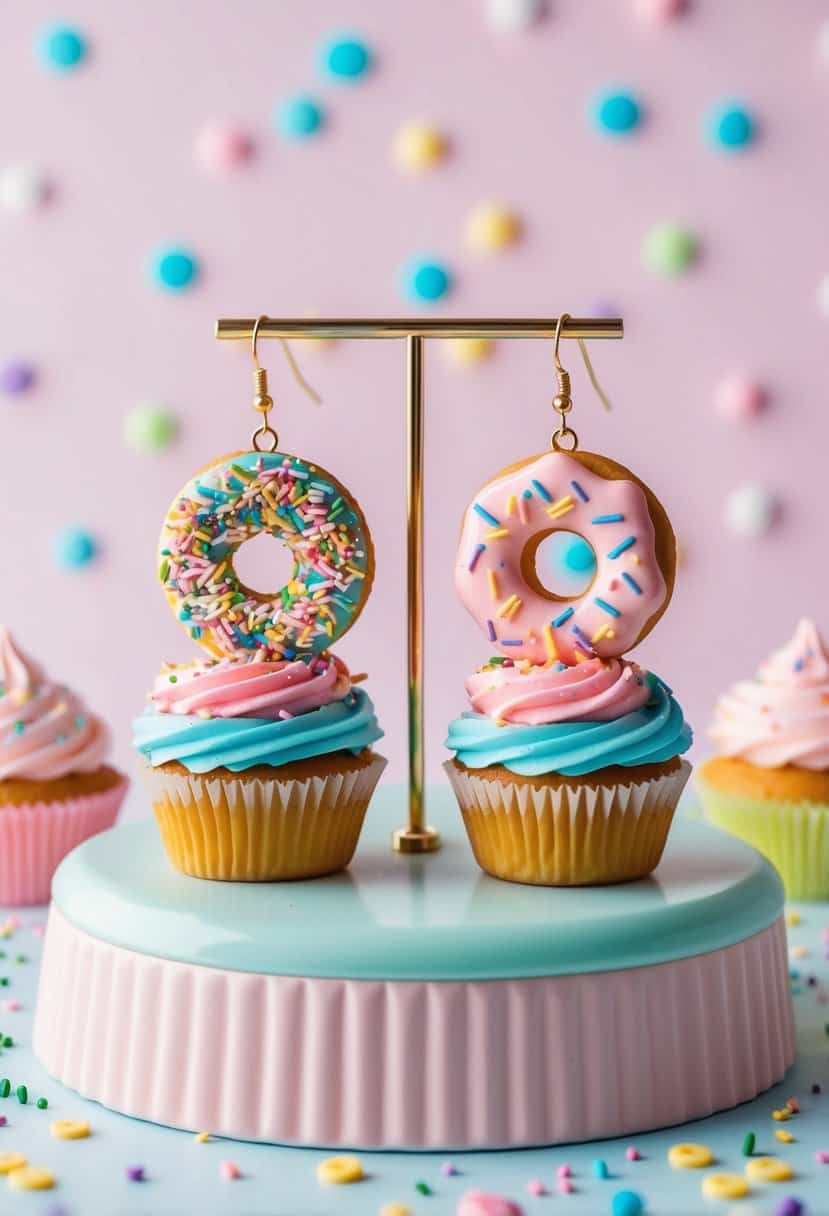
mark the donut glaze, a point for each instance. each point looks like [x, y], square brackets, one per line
[301, 505]
[598, 500]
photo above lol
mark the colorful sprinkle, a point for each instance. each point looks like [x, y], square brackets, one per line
[542, 491]
[135, 1173]
[230, 1171]
[340, 1171]
[631, 582]
[730, 126]
[491, 227]
[562, 617]
[149, 428]
[479, 549]
[584, 497]
[599, 1168]
[749, 1140]
[425, 280]
[616, 113]
[622, 546]
[61, 48]
[423, 1188]
[615, 518]
[344, 58]
[174, 268]
[605, 607]
[485, 515]
[16, 377]
[73, 548]
[627, 1203]
[22, 1094]
[669, 249]
[418, 146]
[299, 117]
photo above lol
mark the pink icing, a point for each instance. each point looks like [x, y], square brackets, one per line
[781, 717]
[250, 688]
[480, 1203]
[593, 691]
[628, 578]
[45, 729]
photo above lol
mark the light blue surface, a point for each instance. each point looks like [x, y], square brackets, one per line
[406, 918]
[183, 1176]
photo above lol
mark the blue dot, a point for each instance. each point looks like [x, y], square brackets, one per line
[299, 117]
[616, 113]
[426, 280]
[345, 58]
[578, 556]
[600, 1169]
[730, 126]
[73, 548]
[627, 1203]
[174, 268]
[61, 48]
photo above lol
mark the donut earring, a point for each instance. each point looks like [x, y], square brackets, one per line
[304, 507]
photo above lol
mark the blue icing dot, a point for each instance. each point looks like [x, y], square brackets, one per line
[299, 117]
[616, 113]
[174, 268]
[578, 556]
[61, 48]
[424, 279]
[345, 58]
[73, 548]
[730, 126]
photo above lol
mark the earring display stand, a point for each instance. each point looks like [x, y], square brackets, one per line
[414, 1002]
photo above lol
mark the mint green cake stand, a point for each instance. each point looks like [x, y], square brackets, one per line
[415, 1002]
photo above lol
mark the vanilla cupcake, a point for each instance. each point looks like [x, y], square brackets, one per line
[769, 781]
[568, 776]
[259, 770]
[55, 788]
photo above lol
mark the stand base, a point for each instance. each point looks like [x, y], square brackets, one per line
[452, 1062]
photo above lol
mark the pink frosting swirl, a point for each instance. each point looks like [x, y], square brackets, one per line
[781, 717]
[45, 729]
[250, 688]
[597, 690]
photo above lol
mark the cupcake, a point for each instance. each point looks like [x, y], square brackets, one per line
[259, 770]
[769, 779]
[55, 789]
[568, 776]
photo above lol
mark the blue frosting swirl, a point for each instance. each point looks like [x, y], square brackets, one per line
[650, 735]
[204, 744]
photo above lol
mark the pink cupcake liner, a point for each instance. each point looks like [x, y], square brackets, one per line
[35, 838]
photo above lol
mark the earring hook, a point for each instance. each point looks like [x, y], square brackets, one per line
[565, 438]
[262, 401]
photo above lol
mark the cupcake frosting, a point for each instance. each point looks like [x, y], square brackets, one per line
[238, 713]
[46, 730]
[782, 716]
[569, 723]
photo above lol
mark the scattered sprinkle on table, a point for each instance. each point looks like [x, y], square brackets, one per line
[484, 1203]
[425, 280]
[230, 1171]
[768, 1169]
[31, 1178]
[70, 1129]
[3, 1120]
[564, 1186]
[632, 1153]
[783, 1136]
[724, 1186]
[61, 48]
[344, 58]
[22, 1094]
[599, 1168]
[135, 1173]
[5, 1087]
[340, 1170]
[202, 1137]
[536, 1187]
[423, 1188]
[173, 268]
[299, 117]
[73, 548]
[749, 1140]
[448, 1169]
[822, 1157]
[11, 1161]
[788, 1207]
[42, 1103]
[564, 1171]
[419, 146]
[690, 1156]
[395, 1209]
[627, 1203]
[669, 249]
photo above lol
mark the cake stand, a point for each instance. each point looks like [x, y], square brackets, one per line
[414, 1002]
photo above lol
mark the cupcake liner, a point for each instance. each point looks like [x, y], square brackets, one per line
[254, 830]
[562, 835]
[36, 836]
[794, 836]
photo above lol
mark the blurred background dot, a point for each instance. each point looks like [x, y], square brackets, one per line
[174, 268]
[345, 58]
[299, 117]
[655, 12]
[426, 280]
[505, 16]
[749, 510]
[220, 146]
[23, 188]
[61, 48]
[669, 249]
[418, 146]
[16, 376]
[603, 306]
[730, 127]
[739, 398]
[149, 428]
[823, 295]
[491, 226]
[616, 112]
[73, 548]
[823, 42]
[466, 351]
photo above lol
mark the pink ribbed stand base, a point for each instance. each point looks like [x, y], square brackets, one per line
[414, 1065]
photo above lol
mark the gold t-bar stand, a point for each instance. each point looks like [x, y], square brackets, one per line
[416, 837]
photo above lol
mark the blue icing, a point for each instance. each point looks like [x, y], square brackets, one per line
[204, 744]
[650, 735]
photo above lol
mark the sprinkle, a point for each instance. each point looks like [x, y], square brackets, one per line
[603, 604]
[423, 1188]
[202, 1137]
[497, 533]
[793, 1105]
[22, 1094]
[616, 518]
[42, 1103]
[621, 547]
[135, 1173]
[584, 497]
[563, 1171]
[5, 1087]
[792, 919]
[490, 628]
[561, 507]
[604, 631]
[599, 1168]
[822, 1157]
[749, 1140]
[230, 1171]
[512, 642]
[781, 1116]
[512, 503]
[3, 1120]
[541, 490]
[479, 549]
[485, 515]
[783, 1136]
[631, 582]
[627, 1203]
[509, 607]
[536, 1187]
[564, 1186]
[562, 617]
[789, 1207]
[632, 1153]
[550, 643]
[448, 1169]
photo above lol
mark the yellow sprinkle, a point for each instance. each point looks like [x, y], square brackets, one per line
[635, 558]
[303, 637]
[492, 578]
[783, 1136]
[70, 1129]
[500, 721]
[357, 573]
[301, 498]
[550, 643]
[580, 658]
[31, 1178]
[689, 1156]
[205, 536]
[792, 918]
[781, 1116]
[496, 533]
[512, 502]
[509, 607]
[600, 633]
[561, 507]
[768, 1169]
[11, 1161]
[724, 1186]
[395, 1209]
[339, 1170]
[202, 1137]
[219, 571]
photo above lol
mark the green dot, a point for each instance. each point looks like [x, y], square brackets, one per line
[669, 249]
[749, 1141]
[22, 958]
[8, 1041]
[423, 1188]
[5, 1087]
[22, 1094]
[149, 428]
[4, 981]
[42, 1103]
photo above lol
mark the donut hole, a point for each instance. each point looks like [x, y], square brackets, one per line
[559, 565]
[263, 564]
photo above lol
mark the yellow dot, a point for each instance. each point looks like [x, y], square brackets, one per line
[31, 1178]
[792, 918]
[70, 1129]
[491, 226]
[340, 1170]
[768, 1169]
[202, 1137]
[466, 351]
[783, 1136]
[781, 1116]
[724, 1186]
[395, 1209]
[418, 146]
[11, 1161]
[689, 1156]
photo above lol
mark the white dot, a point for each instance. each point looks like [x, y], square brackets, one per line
[508, 15]
[749, 510]
[823, 295]
[22, 188]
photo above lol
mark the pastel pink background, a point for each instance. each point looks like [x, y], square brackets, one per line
[326, 225]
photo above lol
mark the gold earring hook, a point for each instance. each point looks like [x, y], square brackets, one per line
[262, 401]
[565, 438]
